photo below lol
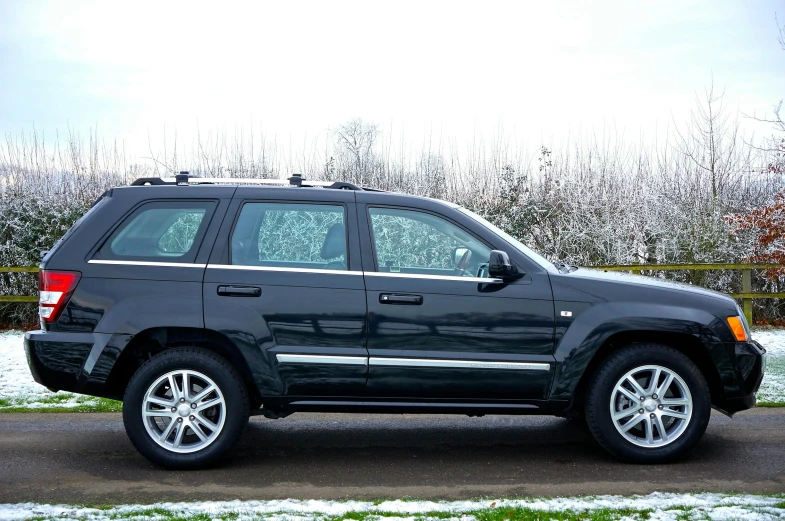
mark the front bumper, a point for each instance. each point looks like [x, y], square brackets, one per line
[748, 365]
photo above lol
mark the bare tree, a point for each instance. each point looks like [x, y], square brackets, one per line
[711, 142]
[354, 144]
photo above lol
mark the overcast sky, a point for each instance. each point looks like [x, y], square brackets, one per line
[539, 70]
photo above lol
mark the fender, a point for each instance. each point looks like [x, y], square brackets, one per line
[590, 329]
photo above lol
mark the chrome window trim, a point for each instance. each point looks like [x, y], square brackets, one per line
[281, 268]
[321, 359]
[480, 280]
[147, 263]
[460, 364]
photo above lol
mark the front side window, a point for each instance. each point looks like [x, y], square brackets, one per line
[160, 231]
[408, 241]
[290, 235]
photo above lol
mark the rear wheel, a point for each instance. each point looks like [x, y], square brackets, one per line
[648, 403]
[185, 408]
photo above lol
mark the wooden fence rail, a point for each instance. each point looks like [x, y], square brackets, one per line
[18, 269]
[746, 295]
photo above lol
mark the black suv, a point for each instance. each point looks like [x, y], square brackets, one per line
[199, 302]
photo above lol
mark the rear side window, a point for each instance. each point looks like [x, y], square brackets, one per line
[160, 231]
[311, 236]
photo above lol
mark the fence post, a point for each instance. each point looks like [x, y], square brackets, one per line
[636, 272]
[746, 287]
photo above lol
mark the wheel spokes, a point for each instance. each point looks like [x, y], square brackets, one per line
[155, 400]
[675, 414]
[178, 438]
[655, 379]
[661, 428]
[186, 385]
[649, 428]
[636, 386]
[620, 415]
[206, 405]
[665, 385]
[198, 431]
[642, 413]
[633, 422]
[670, 402]
[167, 431]
[177, 423]
[203, 393]
[629, 394]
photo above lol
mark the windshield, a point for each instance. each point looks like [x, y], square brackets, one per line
[533, 255]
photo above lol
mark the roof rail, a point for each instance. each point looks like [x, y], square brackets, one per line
[296, 180]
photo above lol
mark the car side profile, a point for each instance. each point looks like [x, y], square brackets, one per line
[199, 302]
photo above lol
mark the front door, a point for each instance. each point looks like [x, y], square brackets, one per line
[439, 328]
[290, 292]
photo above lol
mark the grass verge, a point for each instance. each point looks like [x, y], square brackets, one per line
[603, 508]
[61, 402]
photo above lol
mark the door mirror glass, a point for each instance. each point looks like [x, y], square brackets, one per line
[499, 265]
[458, 254]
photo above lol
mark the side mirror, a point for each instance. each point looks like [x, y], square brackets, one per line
[458, 254]
[499, 266]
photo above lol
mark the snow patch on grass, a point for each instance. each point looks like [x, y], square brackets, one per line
[772, 388]
[656, 506]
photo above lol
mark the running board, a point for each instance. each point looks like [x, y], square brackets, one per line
[401, 407]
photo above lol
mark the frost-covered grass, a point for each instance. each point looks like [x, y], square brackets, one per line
[18, 391]
[772, 390]
[656, 506]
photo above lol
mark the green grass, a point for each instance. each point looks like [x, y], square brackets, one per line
[53, 403]
[518, 513]
[772, 507]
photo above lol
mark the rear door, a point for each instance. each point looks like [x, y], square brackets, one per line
[285, 284]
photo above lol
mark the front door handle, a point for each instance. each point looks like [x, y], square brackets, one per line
[239, 291]
[393, 298]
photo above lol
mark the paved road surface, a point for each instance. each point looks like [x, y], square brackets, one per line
[86, 458]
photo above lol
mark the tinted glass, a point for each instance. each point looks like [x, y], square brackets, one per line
[409, 241]
[311, 236]
[160, 231]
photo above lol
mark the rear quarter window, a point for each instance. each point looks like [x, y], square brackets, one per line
[161, 231]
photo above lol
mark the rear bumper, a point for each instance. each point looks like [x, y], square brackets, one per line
[57, 360]
[75, 362]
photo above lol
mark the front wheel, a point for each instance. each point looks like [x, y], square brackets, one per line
[185, 408]
[648, 403]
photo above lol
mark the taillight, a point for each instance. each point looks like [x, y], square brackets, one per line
[54, 290]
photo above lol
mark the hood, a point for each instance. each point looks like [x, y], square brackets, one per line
[642, 280]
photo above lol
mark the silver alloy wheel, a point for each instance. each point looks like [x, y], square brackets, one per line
[184, 411]
[651, 406]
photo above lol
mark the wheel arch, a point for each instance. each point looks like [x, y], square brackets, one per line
[687, 344]
[149, 342]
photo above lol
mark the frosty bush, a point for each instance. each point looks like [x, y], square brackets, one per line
[589, 202]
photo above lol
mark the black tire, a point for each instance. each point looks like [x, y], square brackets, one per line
[601, 389]
[200, 361]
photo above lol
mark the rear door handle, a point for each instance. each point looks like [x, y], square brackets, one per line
[393, 298]
[239, 291]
